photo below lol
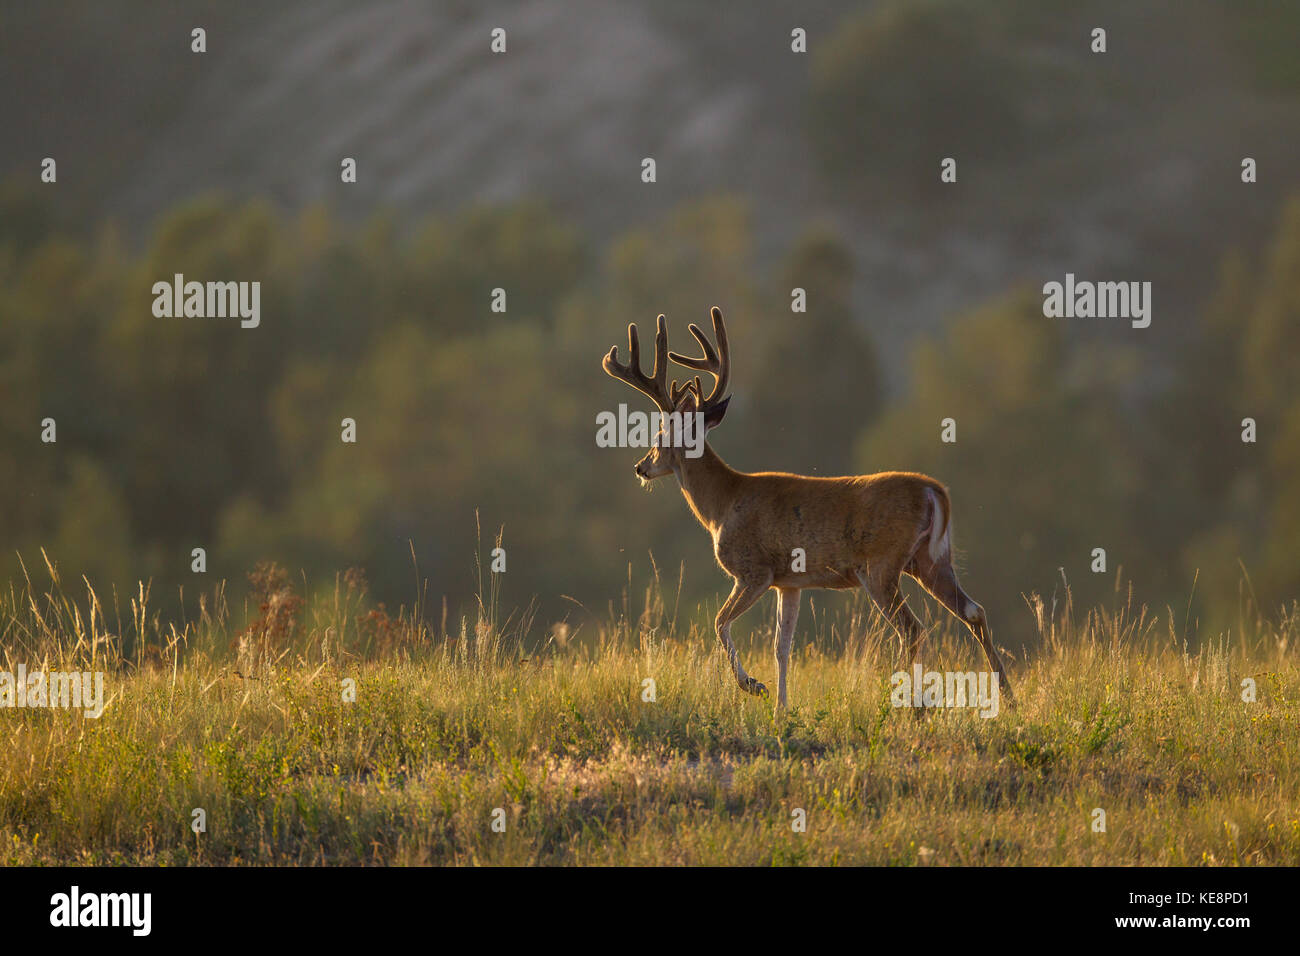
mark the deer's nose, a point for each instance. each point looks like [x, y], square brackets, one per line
[639, 472]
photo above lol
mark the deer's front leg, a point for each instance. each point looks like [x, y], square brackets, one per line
[742, 598]
[787, 616]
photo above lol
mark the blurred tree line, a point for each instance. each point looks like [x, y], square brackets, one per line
[181, 433]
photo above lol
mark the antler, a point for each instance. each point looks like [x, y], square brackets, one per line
[656, 384]
[716, 363]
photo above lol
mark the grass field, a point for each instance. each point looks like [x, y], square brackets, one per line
[453, 728]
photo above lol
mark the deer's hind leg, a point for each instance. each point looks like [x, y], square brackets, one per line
[884, 592]
[743, 596]
[939, 578]
[882, 587]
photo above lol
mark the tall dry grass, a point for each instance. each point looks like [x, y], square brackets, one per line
[457, 724]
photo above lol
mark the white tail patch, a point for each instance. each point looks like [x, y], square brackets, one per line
[939, 527]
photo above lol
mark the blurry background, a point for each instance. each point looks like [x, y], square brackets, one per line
[522, 171]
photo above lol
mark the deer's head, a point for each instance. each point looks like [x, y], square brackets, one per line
[687, 414]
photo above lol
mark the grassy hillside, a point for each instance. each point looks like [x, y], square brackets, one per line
[454, 721]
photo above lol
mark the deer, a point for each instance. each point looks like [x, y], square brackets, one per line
[855, 531]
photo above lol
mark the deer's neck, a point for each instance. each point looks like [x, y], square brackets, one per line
[709, 485]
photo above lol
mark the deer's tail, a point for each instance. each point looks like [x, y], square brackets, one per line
[940, 522]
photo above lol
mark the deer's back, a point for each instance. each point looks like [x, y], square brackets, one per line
[844, 525]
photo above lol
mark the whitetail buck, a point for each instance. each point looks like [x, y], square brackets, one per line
[865, 530]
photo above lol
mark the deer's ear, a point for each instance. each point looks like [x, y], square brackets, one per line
[714, 415]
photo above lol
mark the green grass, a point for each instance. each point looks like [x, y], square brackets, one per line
[446, 728]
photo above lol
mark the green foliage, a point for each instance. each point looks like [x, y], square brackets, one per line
[186, 433]
[175, 433]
